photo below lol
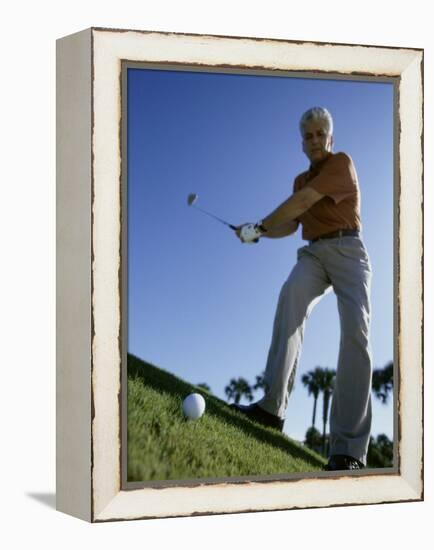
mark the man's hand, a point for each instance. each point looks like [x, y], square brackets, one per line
[248, 233]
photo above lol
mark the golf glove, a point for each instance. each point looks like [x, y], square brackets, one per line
[250, 233]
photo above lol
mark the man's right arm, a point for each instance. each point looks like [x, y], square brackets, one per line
[283, 230]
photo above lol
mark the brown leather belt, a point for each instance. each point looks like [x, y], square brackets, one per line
[337, 234]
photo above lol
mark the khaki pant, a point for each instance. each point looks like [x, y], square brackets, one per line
[341, 264]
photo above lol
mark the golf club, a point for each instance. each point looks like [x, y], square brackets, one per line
[192, 198]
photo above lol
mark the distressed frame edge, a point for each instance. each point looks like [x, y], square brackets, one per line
[250, 38]
[161, 500]
[416, 492]
[411, 256]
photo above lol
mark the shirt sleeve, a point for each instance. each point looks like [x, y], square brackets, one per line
[337, 179]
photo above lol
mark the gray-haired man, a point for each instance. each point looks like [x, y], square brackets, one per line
[326, 202]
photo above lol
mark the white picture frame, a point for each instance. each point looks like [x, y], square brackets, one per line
[89, 294]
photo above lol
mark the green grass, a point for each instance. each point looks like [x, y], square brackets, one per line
[163, 445]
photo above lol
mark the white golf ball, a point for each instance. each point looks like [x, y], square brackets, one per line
[193, 406]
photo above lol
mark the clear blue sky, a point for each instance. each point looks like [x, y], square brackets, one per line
[201, 304]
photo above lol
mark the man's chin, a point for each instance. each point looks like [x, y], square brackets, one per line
[317, 157]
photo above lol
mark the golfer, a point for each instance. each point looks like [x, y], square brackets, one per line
[326, 202]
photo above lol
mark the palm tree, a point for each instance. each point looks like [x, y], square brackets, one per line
[237, 388]
[326, 380]
[260, 383]
[311, 381]
[382, 382]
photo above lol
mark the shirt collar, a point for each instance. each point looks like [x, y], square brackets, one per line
[315, 168]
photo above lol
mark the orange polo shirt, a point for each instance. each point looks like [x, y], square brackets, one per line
[336, 178]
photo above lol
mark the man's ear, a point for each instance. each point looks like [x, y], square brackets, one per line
[332, 142]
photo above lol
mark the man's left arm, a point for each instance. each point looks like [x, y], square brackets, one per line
[292, 208]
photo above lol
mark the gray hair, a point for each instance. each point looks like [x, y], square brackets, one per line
[317, 113]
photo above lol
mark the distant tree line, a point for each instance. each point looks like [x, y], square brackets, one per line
[321, 380]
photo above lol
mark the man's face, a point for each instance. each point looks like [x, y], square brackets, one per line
[317, 143]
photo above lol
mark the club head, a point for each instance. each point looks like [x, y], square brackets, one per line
[192, 198]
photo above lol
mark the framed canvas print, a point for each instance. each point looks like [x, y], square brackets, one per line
[239, 274]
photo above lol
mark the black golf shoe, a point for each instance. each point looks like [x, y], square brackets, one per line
[343, 462]
[256, 413]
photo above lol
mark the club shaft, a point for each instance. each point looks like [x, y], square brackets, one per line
[215, 217]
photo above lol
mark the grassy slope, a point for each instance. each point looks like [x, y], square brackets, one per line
[223, 443]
